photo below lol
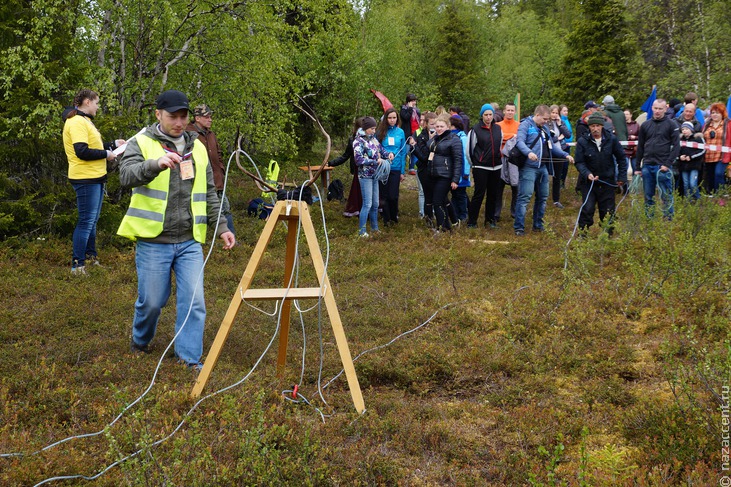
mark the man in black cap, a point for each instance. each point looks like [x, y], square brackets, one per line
[203, 119]
[173, 199]
[599, 159]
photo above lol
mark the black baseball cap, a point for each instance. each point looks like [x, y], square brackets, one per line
[172, 101]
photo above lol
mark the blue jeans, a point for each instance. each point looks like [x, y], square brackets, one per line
[461, 203]
[155, 261]
[531, 179]
[369, 210]
[89, 198]
[690, 183]
[653, 177]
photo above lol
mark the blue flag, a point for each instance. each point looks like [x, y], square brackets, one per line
[728, 105]
[647, 106]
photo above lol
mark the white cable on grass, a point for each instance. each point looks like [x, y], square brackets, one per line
[392, 341]
[195, 406]
[162, 357]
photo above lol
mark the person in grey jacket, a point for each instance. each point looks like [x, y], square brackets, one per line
[173, 199]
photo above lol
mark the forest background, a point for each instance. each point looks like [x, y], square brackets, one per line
[250, 60]
[598, 362]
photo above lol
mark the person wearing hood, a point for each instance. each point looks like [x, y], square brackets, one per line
[484, 154]
[602, 167]
[615, 113]
[173, 200]
[690, 160]
[369, 154]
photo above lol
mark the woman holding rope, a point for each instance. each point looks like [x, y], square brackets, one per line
[369, 155]
[599, 159]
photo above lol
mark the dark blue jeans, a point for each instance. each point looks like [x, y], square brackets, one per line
[653, 178]
[532, 179]
[89, 197]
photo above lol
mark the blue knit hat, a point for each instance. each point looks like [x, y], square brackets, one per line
[485, 107]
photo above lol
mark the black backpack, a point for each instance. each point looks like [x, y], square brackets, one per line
[336, 191]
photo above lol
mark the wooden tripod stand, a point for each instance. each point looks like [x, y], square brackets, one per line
[293, 212]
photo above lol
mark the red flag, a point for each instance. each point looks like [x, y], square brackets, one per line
[385, 103]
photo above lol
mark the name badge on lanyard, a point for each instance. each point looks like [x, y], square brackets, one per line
[185, 165]
[186, 169]
[391, 141]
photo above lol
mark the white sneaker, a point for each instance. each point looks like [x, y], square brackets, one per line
[79, 271]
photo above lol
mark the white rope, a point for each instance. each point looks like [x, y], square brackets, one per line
[159, 363]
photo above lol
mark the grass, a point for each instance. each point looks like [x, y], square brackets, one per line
[608, 372]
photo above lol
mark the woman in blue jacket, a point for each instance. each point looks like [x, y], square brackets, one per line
[393, 140]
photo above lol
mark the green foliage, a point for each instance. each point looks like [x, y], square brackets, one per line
[682, 51]
[599, 55]
[520, 54]
[456, 68]
[552, 461]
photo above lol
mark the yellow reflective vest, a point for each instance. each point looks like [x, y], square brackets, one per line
[146, 213]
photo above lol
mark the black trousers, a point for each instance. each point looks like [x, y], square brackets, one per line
[427, 185]
[601, 195]
[389, 192]
[499, 203]
[488, 186]
[440, 201]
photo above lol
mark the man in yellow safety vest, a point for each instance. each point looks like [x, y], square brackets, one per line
[173, 200]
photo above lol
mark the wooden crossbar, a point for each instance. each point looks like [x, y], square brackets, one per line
[283, 293]
[292, 213]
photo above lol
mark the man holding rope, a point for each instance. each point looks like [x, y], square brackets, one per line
[599, 158]
[535, 143]
[173, 199]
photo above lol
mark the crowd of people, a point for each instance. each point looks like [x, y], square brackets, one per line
[174, 168]
[677, 148]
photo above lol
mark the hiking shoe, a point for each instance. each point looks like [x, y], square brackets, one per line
[79, 270]
[519, 233]
[536, 229]
[364, 235]
[93, 261]
[135, 348]
[412, 172]
[558, 205]
[194, 366]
